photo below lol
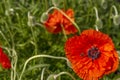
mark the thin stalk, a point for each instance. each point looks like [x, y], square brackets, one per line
[96, 12]
[35, 44]
[14, 54]
[64, 4]
[97, 18]
[15, 64]
[63, 30]
[4, 38]
[96, 28]
[46, 4]
[115, 9]
[62, 73]
[42, 74]
[38, 56]
[39, 24]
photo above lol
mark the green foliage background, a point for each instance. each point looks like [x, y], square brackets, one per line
[21, 41]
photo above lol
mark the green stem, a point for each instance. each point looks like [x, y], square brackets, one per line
[61, 73]
[34, 39]
[46, 4]
[14, 54]
[96, 28]
[66, 17]
[64, 4]
[15, 63]
[96, 12]
[115, 9]
[33, 34]
[64, 32]
[38, 56]
[35, 44]
[4, 38]
[42, 74]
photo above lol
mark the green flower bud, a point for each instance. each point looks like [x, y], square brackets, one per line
[10, 11]
[31, 20]
[104, 4]
[116, 19]
[44, 17]
[99, 23]
[51, 77]
[56, 2]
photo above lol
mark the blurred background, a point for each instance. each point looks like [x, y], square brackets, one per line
[23, 35]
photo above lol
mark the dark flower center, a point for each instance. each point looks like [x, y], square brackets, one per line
[93, 53]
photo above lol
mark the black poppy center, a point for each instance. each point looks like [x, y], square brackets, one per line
[93, 53]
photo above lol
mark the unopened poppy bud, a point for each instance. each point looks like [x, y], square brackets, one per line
[9, 12]
[44, 17]
[56, 2]
[51, 77]
[31, 21]
[116, 19]
[99, 23]
[104, 4]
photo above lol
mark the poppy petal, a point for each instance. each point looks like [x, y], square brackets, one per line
[92, 54]
[57, 21]
[4, 60]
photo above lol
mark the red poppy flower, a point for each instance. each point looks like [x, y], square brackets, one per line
[92, 54]
[4, 60]
[56, 21]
